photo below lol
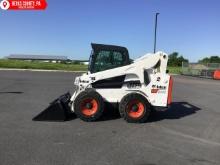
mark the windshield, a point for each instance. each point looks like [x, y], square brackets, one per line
[107, 60]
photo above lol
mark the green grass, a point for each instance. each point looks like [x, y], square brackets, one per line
[174, 70]
[41, 65]
[56, 66]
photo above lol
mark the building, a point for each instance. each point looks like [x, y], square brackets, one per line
[43, 58]
[84, 62]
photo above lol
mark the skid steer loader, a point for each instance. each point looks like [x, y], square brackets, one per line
[135, 87]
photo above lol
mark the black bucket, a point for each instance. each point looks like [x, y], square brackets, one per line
[58, 110]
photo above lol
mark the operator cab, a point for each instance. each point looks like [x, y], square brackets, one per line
[104, 57]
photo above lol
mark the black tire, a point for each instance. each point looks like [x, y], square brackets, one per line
[93, 112]
[137, 115]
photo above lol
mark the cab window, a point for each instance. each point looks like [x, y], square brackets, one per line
[108, 60]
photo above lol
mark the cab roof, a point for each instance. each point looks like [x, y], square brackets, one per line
[98, 47]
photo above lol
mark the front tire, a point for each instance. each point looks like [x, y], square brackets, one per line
[134, 108]
[89, 105]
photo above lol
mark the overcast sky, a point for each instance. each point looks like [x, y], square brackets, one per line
[190, 27]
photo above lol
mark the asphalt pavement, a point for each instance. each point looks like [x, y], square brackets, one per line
[188, 133]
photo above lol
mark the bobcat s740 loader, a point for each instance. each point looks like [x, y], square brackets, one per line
[136, 87]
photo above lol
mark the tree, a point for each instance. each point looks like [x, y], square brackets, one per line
[212, 59]
[175, 59]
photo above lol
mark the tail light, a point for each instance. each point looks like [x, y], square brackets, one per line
[170, 89]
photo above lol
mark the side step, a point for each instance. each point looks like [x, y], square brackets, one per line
[58, 110]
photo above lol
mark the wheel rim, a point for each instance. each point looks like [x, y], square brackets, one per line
[135, 109]
[89, 106]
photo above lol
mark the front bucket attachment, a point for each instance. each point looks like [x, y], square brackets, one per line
[58, 110]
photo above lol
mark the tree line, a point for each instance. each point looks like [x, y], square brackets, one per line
[212, 59]
[176, 60]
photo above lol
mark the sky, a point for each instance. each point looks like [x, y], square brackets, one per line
[190, 27]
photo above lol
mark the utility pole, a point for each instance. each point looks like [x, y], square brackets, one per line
[155, 32]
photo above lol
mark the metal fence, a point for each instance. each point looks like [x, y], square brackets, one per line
[198, 69]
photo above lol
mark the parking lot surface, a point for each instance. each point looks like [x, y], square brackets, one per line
[188, 133]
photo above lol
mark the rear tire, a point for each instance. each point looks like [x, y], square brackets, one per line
[134, 108]
[89, 105]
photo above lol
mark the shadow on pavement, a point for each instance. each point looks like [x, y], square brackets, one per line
[176, 111]
[11, 92]
[110, 114]
[55, 113]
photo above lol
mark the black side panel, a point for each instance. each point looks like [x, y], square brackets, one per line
[114, 82]
[146, 78]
